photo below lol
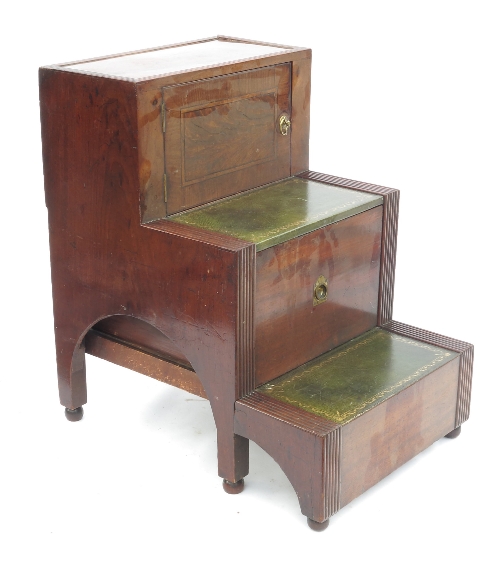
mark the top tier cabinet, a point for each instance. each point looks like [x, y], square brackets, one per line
[212, 117]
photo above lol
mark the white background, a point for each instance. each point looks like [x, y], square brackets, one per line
[405, 94]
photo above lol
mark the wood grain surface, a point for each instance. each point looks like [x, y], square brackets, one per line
[141, 335]
[116, 351]
[306, 447]
[290, 330]
[183, 282]
[222, 136]
[389, 235]
[386, 437]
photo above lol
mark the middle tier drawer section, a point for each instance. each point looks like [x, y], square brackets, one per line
[317, 267]
[316, 292]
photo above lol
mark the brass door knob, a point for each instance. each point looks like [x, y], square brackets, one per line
[284, 124]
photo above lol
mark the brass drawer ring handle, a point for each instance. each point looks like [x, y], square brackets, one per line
[320, 290]
[284, 124]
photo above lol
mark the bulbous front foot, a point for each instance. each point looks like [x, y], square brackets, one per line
[233, 488]
[454, 433]
[318, 526]
[74, 415]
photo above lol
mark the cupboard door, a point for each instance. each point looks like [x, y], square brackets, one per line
[223, 136]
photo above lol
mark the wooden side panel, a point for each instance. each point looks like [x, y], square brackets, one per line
[138, 334]
[104, 262]
[386, 437]
[301, 99]
[290, 330]
[222, 135]
[151, 158]
[305, 446]
[389, 236]
[142, 362]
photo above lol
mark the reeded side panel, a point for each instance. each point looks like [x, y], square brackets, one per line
[464, 386]
[245, 369]
[388, 257]
[466, 352]
[389, 235]
[331, 470]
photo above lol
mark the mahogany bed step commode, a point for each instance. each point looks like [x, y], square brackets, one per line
[189, 242]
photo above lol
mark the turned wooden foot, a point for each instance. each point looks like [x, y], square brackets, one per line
[74, 414]
[318, 526]
[233, 488]
[454, 433]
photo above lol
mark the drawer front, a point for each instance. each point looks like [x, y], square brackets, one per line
[222, 135]
[291, 326]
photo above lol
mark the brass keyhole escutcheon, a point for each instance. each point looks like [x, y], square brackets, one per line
[320, 290]
[284, 124]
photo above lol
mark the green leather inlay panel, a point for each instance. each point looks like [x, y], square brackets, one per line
[280, 211]
[351, 379]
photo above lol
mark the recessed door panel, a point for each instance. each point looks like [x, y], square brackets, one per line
[222, 135]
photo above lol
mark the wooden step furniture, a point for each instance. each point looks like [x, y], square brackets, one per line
[189, 242]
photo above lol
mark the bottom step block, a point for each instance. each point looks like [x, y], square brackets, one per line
[345, 420]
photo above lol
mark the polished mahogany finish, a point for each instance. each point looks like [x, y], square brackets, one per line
[132, 144]
[389, 235]
[222, 135]
[143, 360]
[289, 329]
[104, 168]
[134, 333]
[105, 263]
[390, 398]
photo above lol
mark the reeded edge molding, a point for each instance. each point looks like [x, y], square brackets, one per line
[331, 471]
[427, 336]
[389, 235]
[388, 257]
[245, 331]
[465, 350]
[464, 386]
[65, 66]
[346, 183]
[225, 242]
[327, 436]
[289, 414]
